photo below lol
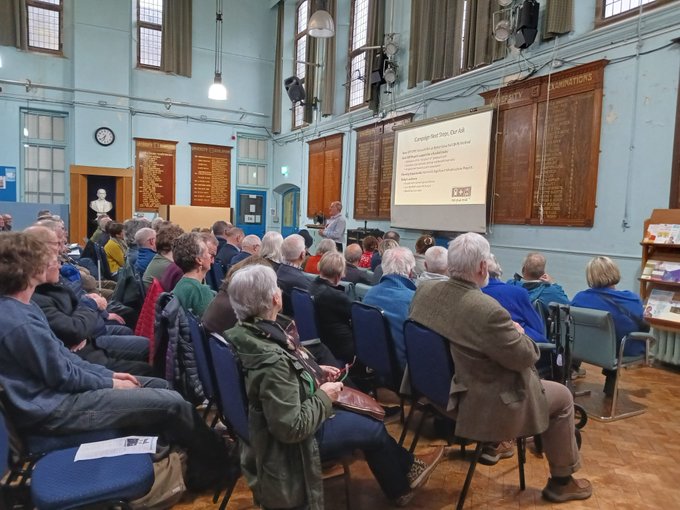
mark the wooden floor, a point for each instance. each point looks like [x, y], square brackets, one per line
[632, 463]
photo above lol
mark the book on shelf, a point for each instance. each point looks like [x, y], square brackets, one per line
[662, 233]
[664, 305]
[661, 271]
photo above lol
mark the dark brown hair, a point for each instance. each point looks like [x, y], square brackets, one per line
[423, 243]
[186, 249]
[369, 243]
[166, 236]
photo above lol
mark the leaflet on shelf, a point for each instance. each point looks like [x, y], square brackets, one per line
[662, 233]
[664, 305]
[661, 270]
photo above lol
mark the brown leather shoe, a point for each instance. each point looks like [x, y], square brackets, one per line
[422, 467]
[575, 489]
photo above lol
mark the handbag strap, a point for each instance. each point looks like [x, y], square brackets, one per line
[641, 324]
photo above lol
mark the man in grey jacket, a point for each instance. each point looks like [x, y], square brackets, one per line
[496, 393]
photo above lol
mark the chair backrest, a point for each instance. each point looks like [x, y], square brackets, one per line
[305, 316]
[104, 269]
[4, 446]
[544, 314]
[360, 290]
[373, 342]
[201, 355]
[594, 337]
[232, 401]
[430, 365]
[161, 334]
[349, 289]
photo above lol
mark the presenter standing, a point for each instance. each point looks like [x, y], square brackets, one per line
[335, 226]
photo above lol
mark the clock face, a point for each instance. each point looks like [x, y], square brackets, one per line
[104, 136]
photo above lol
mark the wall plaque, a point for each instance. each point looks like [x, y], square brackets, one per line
[155, 173]
[210, 175]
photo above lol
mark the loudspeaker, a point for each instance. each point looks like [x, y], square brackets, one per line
[294, 89]
[527, 24]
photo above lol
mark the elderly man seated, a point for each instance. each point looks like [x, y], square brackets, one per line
[436, 265]
[333, 307]
[145, 238]
[538, 283]
[250, 245]
[394, 294]
[289, 274]
[353, 273]
[50, 390]
[496, 393]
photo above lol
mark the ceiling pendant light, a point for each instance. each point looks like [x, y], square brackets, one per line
[321, 23]
[217, 90]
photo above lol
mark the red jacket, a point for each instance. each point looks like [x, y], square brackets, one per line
[145, 323]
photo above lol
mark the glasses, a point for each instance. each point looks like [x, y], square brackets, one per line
[342, 375]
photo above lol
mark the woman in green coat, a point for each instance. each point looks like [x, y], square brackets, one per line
[292, 422]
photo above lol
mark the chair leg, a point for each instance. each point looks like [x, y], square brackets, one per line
[416, 437]
[404, 430]
[348, 479]
[228, 493]
[521, 460]
[470, 474]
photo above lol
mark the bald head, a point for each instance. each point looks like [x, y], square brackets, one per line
[353, 253]
[534, 266]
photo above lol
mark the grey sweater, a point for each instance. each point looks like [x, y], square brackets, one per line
[36, 371]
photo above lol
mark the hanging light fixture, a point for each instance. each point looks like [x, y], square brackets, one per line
[321, 24]
[217, 90]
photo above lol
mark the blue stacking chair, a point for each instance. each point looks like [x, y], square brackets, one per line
[305, 316]
[203, 365]
[215, 275]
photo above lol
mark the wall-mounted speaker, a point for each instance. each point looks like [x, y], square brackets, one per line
[527, 24]
[294, 89]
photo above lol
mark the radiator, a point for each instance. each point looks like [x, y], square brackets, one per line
[667, 346]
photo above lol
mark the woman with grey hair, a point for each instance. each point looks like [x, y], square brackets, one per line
[290, 401]
[312, 263]
[271, 248]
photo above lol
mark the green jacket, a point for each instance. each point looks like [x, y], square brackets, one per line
[282, 463]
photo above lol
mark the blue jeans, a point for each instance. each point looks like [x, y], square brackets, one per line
[390, 463]
[122, 344]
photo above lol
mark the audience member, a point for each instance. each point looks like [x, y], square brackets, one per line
[130, 229]
[335, 226]
[271, 248]
[377, 255]
[312, 263]
[289, 274]
[192, 255]
[158, 222]
[250, 245]
[163, 258]
[352, 272]
[308, 239]
[290, 400]
[394, 294]
[497, 394]
[516, 301]
[333, 307]
[369, 245]
[602, 275]
[43, 214]
[52, 391]
[539, 284]
[145, 239]
[219, 230]
[423, 243]
[100, 236]
[115, 248]
[436, 265]
[8, 222]
[234, 237]
[2, 222]
[385, 244]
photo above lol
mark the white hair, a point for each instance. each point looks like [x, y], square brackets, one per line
[353, 253]
[435, 260]
[332, 265]
[250, 241]
[271, 246]
[399, 260]
[292, 248]
[494, 268]
[325, 246]
[465, 254]
[251, 291]
[143, 236]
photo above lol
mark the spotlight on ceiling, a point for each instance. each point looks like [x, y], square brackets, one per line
[502, 31]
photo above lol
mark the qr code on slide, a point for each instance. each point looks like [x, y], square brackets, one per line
[461, 192]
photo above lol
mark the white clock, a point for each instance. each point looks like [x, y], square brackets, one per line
[104, 136]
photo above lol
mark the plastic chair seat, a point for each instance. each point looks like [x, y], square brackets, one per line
[58, 482]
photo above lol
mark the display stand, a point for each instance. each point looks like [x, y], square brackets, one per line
[660, 261]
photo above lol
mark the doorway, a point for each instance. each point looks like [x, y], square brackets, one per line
[290, 211]
[251, 211]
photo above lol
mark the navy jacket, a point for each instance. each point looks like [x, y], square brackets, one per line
[289, 277]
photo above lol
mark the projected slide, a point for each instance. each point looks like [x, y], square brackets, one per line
[441, 169]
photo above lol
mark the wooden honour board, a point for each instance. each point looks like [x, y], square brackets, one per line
[210, 175]
[155, 173]
[549, 165]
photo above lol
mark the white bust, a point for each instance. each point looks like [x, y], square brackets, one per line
[101, 205]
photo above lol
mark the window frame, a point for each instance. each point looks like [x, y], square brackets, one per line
[297, 36]
[351, 55]
[261, 164]
[151, 26]
[39, 143]
[50, 7]
[600, 20]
